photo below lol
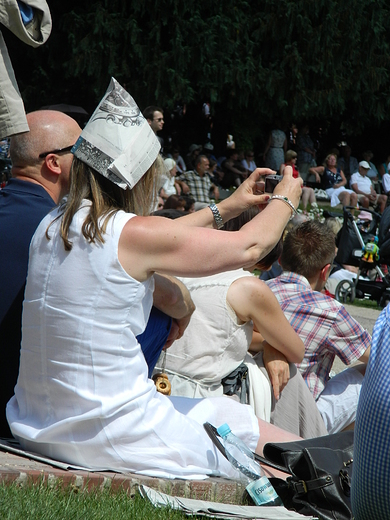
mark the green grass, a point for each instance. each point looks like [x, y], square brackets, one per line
[43, 502]
[370, 304]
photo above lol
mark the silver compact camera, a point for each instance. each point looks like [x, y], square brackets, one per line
[271, 181]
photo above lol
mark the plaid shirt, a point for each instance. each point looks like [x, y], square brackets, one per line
[323, 324]
[199, 186]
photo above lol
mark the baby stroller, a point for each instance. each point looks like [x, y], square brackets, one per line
[365, 245]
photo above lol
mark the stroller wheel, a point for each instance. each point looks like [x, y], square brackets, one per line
[385, 299]
[345, 292]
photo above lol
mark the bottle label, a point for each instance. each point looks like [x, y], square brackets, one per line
[261, 491]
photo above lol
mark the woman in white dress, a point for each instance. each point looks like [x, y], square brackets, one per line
[83, 394]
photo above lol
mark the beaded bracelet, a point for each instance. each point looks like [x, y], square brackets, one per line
[216, 215]
[286, 201]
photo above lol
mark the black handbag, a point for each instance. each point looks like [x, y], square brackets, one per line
[320, 472]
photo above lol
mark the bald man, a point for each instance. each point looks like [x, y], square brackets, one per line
[41, 162]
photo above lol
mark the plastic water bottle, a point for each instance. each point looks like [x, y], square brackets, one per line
[240, 456]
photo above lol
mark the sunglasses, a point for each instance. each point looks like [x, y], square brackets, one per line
[59, 150]
[159, 119]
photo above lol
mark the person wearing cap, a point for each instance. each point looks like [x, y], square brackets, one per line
[83, 394]
[362, 185]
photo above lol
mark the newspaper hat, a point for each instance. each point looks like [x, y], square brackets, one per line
[117, 141]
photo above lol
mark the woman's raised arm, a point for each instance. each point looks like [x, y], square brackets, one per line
[248, 194]
[150, 244]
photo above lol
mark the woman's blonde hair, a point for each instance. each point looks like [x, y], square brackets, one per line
[107, 199]
[328, 157]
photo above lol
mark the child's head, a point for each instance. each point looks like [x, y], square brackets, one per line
[175, 202]
[273, 256]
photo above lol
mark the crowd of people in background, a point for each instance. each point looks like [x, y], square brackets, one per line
[204, 173]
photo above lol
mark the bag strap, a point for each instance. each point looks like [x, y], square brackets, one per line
[214, 436]
[302, 487]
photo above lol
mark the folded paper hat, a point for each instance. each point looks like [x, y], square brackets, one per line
[117, 141]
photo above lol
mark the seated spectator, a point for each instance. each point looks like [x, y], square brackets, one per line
[347, 163]
[91, 273]
[308, 194]
[341, 272]
[386, 181]
[248, 162]
[167, 213]
[215, 172]
[170, 186]
[233, 172]
[384, 167]
[363, 186]
[193, 152]
[222, 330]
[334, 182]
[199, 183]
[371, 458]
[306, 152]
[323, 324]
[41, 162]
[189, 204]
[372, 172]
[208, 151]
[180, 164]
[175, 202]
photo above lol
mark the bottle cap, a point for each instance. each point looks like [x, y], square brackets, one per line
[224, 430]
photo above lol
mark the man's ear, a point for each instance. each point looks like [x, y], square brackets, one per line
[52, 163]
[325, 271]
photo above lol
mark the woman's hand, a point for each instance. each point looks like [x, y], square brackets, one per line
[277, 368]
[290, 187]
[249, 193]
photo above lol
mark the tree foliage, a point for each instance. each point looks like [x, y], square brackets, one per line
[299, 59]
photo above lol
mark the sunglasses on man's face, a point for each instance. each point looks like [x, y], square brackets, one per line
[59, 150]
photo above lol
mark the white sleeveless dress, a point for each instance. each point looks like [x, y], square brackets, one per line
[83, 395]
